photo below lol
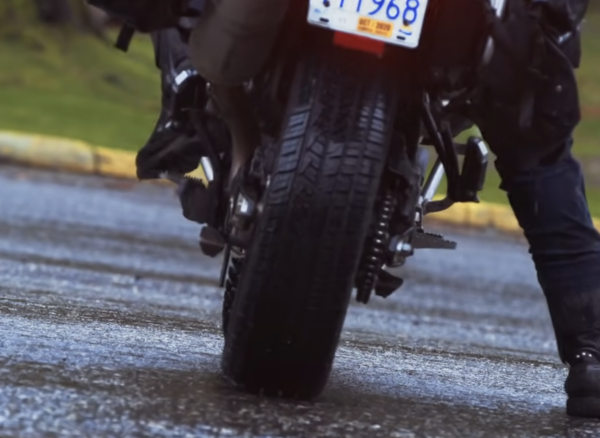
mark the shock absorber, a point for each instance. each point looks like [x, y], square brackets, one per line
[375, 249]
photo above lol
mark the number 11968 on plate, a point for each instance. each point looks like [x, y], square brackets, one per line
[398, 22]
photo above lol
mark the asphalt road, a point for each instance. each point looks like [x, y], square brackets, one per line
[110, 327]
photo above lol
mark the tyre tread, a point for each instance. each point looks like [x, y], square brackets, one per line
[296, 284]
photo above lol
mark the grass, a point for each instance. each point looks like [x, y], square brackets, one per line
[61, 82]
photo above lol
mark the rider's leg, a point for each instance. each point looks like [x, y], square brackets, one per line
[549, 202]
[173, 146]
[531, 135]
[546, 190]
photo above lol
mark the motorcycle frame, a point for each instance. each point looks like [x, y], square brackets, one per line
[422, 100]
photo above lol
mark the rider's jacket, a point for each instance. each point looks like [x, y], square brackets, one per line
[528, 100]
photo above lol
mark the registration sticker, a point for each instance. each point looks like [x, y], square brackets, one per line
[375, 27]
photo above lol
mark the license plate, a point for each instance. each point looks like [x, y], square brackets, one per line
[398, 22]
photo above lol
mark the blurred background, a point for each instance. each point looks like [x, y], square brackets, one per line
[61, 75]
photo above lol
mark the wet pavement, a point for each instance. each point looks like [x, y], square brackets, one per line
[110, 321]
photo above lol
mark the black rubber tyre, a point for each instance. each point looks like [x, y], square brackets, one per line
[295, 286]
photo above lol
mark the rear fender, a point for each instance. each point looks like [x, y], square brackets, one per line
[359, 43]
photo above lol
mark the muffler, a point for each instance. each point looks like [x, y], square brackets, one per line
[233, 38]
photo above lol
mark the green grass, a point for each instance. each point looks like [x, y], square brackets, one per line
[61, 82]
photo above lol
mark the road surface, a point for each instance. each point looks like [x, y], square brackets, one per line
[110, 327]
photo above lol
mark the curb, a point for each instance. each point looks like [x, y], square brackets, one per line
[66, 155]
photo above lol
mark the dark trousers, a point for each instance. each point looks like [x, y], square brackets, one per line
[528, 120]
[550, 204]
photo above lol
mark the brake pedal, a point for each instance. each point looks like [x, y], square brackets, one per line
[212, 242]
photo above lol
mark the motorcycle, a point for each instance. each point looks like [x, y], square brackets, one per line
[318, 115]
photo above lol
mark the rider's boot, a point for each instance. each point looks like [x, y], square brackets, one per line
[576, 319]
[173, 146]
[550, 204]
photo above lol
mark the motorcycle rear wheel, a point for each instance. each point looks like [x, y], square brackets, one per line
[295, 284]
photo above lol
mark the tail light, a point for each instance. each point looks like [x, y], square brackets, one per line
[362, 44]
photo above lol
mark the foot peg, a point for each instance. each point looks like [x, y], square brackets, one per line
[422, 240]
[388, 283]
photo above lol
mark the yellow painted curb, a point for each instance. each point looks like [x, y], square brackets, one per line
[482, 215]
[50, 152]
[115, 163]
[68, 155]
